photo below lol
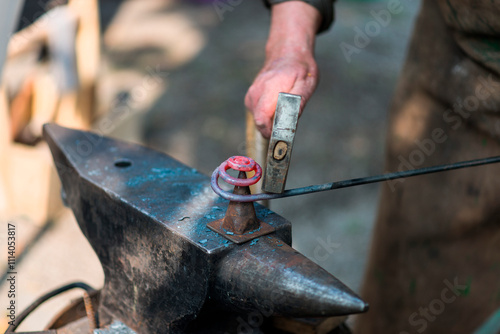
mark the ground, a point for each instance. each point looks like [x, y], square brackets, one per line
[173, 77]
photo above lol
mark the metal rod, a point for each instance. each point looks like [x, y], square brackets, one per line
[43, 299]
[348, 183]
[89, 309]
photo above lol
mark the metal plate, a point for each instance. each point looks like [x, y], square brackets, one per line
[240, 238]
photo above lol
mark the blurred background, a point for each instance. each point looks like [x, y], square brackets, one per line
[172, 75]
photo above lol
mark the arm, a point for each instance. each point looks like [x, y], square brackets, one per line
[289, 66]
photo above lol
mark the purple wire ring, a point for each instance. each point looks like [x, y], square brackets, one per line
[242, 164]
[344, 183]
[234, 197]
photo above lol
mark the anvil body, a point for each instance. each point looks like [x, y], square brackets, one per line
[145, 216]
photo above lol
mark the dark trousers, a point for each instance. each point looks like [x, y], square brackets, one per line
[434, 266]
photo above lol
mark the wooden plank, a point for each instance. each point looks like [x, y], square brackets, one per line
[10, 13]
[32, 183]
[29, 185]
[4, 146]
[20, 108]
[45, 101]
[88, 51]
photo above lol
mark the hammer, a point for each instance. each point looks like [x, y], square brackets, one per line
[279, 152]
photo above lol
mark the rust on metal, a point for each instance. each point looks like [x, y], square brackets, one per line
[240, 224]
[280, 150]
[90, 311]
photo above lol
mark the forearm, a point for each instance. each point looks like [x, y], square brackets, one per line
[293, 29]
[290, 66]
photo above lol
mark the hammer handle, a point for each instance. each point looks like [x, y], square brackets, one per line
[256, 148]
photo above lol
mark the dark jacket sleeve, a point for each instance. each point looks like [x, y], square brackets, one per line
[325, 7]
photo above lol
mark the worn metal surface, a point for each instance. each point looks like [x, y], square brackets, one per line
[268, 275]
[116, 327]
[145, 216]
[281, 143]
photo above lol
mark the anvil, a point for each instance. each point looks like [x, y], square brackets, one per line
[145, 215]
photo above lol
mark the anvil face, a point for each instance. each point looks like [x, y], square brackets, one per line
[145, 216]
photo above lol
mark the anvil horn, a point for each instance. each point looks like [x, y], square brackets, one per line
[146, 217]
[269, 276]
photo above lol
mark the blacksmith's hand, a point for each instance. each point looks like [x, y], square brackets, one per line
[289, 66]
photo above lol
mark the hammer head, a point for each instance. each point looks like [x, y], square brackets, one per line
[281, 143]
